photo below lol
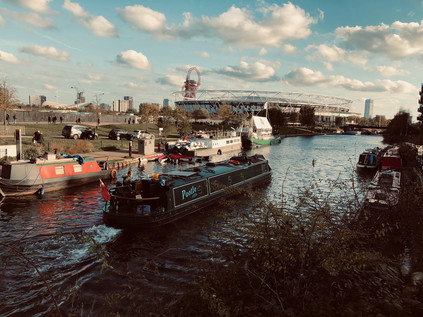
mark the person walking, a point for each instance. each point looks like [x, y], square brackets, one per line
[61, 119]
[7, 118]
[14, 119]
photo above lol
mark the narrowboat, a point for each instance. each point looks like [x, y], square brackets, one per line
[391, 159]
[164, 198]
[49, 173]
[369, 160]
[383, 193]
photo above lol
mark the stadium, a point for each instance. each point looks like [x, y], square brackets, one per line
[326, 108]
[248, 101]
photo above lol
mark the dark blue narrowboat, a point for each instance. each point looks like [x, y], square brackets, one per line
[164, 198]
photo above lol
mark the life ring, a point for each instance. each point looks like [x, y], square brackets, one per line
[113, 173]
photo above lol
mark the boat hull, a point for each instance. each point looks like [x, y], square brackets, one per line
[28, 177]
[248, 142]
[185, 198]
[10, 189]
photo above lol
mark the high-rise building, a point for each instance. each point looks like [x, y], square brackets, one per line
[368, 109]
[36, 100]
[121, 105]
[165, 102]
[130, 102]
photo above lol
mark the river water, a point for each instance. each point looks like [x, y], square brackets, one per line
[151, 266]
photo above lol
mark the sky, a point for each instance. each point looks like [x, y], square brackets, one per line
[110, 49]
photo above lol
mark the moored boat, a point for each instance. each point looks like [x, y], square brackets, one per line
[383, 192]
[391, 159]
[369, 160]
[167, 197]
[49, 173]
[258, 131]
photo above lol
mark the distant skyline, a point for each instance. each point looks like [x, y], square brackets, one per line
[350, 49]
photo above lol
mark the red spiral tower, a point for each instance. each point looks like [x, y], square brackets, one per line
[191, 85]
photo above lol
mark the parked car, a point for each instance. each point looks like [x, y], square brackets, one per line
[89, 134]
[117, 134]
[142, 134]
[73, 131]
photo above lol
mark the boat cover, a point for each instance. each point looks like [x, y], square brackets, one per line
[261, 123]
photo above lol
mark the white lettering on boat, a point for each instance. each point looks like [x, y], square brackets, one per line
[187, 194]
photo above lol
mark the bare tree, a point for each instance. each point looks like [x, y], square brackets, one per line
[7, 98]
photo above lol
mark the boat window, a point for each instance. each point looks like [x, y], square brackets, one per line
[60, 170]
[77, 168]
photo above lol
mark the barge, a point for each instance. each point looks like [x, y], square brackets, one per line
[49, 173]
[383, 192]
[164, 198]
[369, 160]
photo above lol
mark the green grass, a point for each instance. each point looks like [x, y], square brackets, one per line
[53, 139]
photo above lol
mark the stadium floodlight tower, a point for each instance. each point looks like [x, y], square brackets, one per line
[190, 85]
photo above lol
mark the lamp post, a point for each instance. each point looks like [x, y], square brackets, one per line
[97, 98]
[77, 102]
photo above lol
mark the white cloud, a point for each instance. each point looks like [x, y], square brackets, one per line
[389, 71]
[29, 17]
[330, 54]
[2, 21]
[289, 49]
[397, 40]
[203, 54]
[8, 57]
[262, 51]
[145, 19]
[49, 87]
[236, 26]
[134, 59]
[48, 52]
[171, 80]
[40, 6]
[98, 25]
[133, 85]
[257, 71]
[93, 77]
[307, 77]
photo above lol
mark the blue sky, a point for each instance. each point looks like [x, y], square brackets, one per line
[348, 49]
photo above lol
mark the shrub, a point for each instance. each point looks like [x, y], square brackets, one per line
[33, 151]
[80, 146]
[6, 159]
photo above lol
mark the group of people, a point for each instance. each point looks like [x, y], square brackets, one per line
[54, 119]
[8, 118]
[129, 121]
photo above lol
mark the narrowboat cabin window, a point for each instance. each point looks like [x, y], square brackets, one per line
[91, 166]
[77, 168]
[60, 170]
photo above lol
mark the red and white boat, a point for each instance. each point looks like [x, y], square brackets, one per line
[49, 173]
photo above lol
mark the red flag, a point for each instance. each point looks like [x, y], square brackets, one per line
[104, 191]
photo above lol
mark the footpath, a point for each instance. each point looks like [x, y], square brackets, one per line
[121, 159]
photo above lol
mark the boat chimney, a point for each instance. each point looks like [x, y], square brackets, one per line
[18, 140]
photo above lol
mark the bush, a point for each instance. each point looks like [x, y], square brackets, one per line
[302, 256]
[33, 151]
[7, 159]
[80, 146]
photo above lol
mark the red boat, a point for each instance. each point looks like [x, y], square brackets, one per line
[391, 160]
[49, 173]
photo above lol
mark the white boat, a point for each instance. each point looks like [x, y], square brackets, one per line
[258, 131]
[384, 190]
